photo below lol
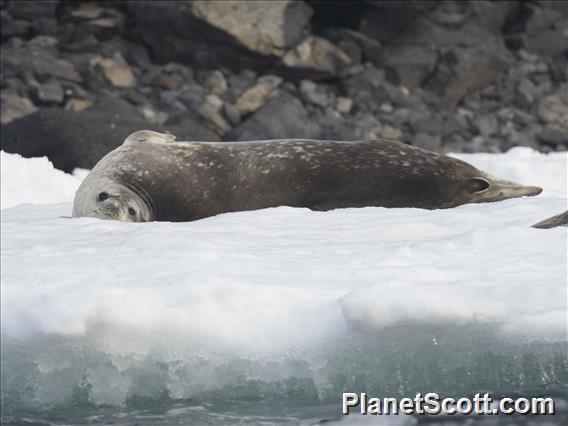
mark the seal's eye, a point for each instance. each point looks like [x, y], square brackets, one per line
[103, 196]
[131, 211]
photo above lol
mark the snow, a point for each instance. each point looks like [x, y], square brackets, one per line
[35, 181]
[270, 285]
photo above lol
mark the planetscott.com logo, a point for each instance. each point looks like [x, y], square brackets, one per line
[431, 403]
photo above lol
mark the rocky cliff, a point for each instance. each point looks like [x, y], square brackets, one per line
[77, 77]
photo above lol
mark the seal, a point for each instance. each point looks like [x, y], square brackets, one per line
[151, 177]
[554, 221]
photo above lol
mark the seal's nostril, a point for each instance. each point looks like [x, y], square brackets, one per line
[103, 196]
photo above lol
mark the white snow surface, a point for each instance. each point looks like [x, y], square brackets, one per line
[35, 181]
[270, 280]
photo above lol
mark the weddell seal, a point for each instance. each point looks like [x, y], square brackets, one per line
[152, 177]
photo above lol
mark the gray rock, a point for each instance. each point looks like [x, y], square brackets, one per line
[239, 82]
[554, 135]
[281, 117]
[487, 125]
[49, 93]
[427, 141]
[153, 115]
[344, 105]
[232, 114]
[345, 38]
[192, 95]
[314, 58]
[30, 10]
[10, 27]
[40, 60]
[266, 28]
[216, 83]
[15, 107]
[464, 70]
[212, 111]
[235, 34]
[315, 94]
[552, 108]
[408, 66]
[254, 97]
[80, 139]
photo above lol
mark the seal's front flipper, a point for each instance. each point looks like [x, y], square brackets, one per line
[554, 221]
[149, 136]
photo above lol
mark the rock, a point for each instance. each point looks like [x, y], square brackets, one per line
[31, 10]
[15, 107]
[87, 11]
[232, 113]
[385, 20]
[344, 105]
[315, 94]
[315, 58]
[281, 117]
[36, 58]
[487, 125]
[210, 110]
[427, 141]
[189, 127]
[216, 83]
[546, 32]
[238, 83]
[408, 66]
[48, 93]
[171, 76]
[233, 34]
[364, 88]
[10, 27]
[552, 108]
[256, 96]
[80, 139]
[117, 72]
[192, 95]
[369, 127]
[389, 132]
[464, 70]
[154, 116]
[369, 48]
[77, 105]
[554, 135]
[267, 28]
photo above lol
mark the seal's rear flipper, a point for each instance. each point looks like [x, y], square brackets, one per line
[487, 188]
[149, 136]
[554, 221]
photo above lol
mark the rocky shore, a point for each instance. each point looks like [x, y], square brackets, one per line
[77, 77]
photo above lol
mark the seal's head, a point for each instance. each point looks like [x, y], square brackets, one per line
[106, 199]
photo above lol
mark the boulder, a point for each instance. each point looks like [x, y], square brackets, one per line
[408, 65]
[48, 93]
[37, 58]
[281, 117]
[314, 58]
[254, 97]
[80, 139]
[269, 28]
[116, 71]
[14, 107]
[212, 111]
[233, 34]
